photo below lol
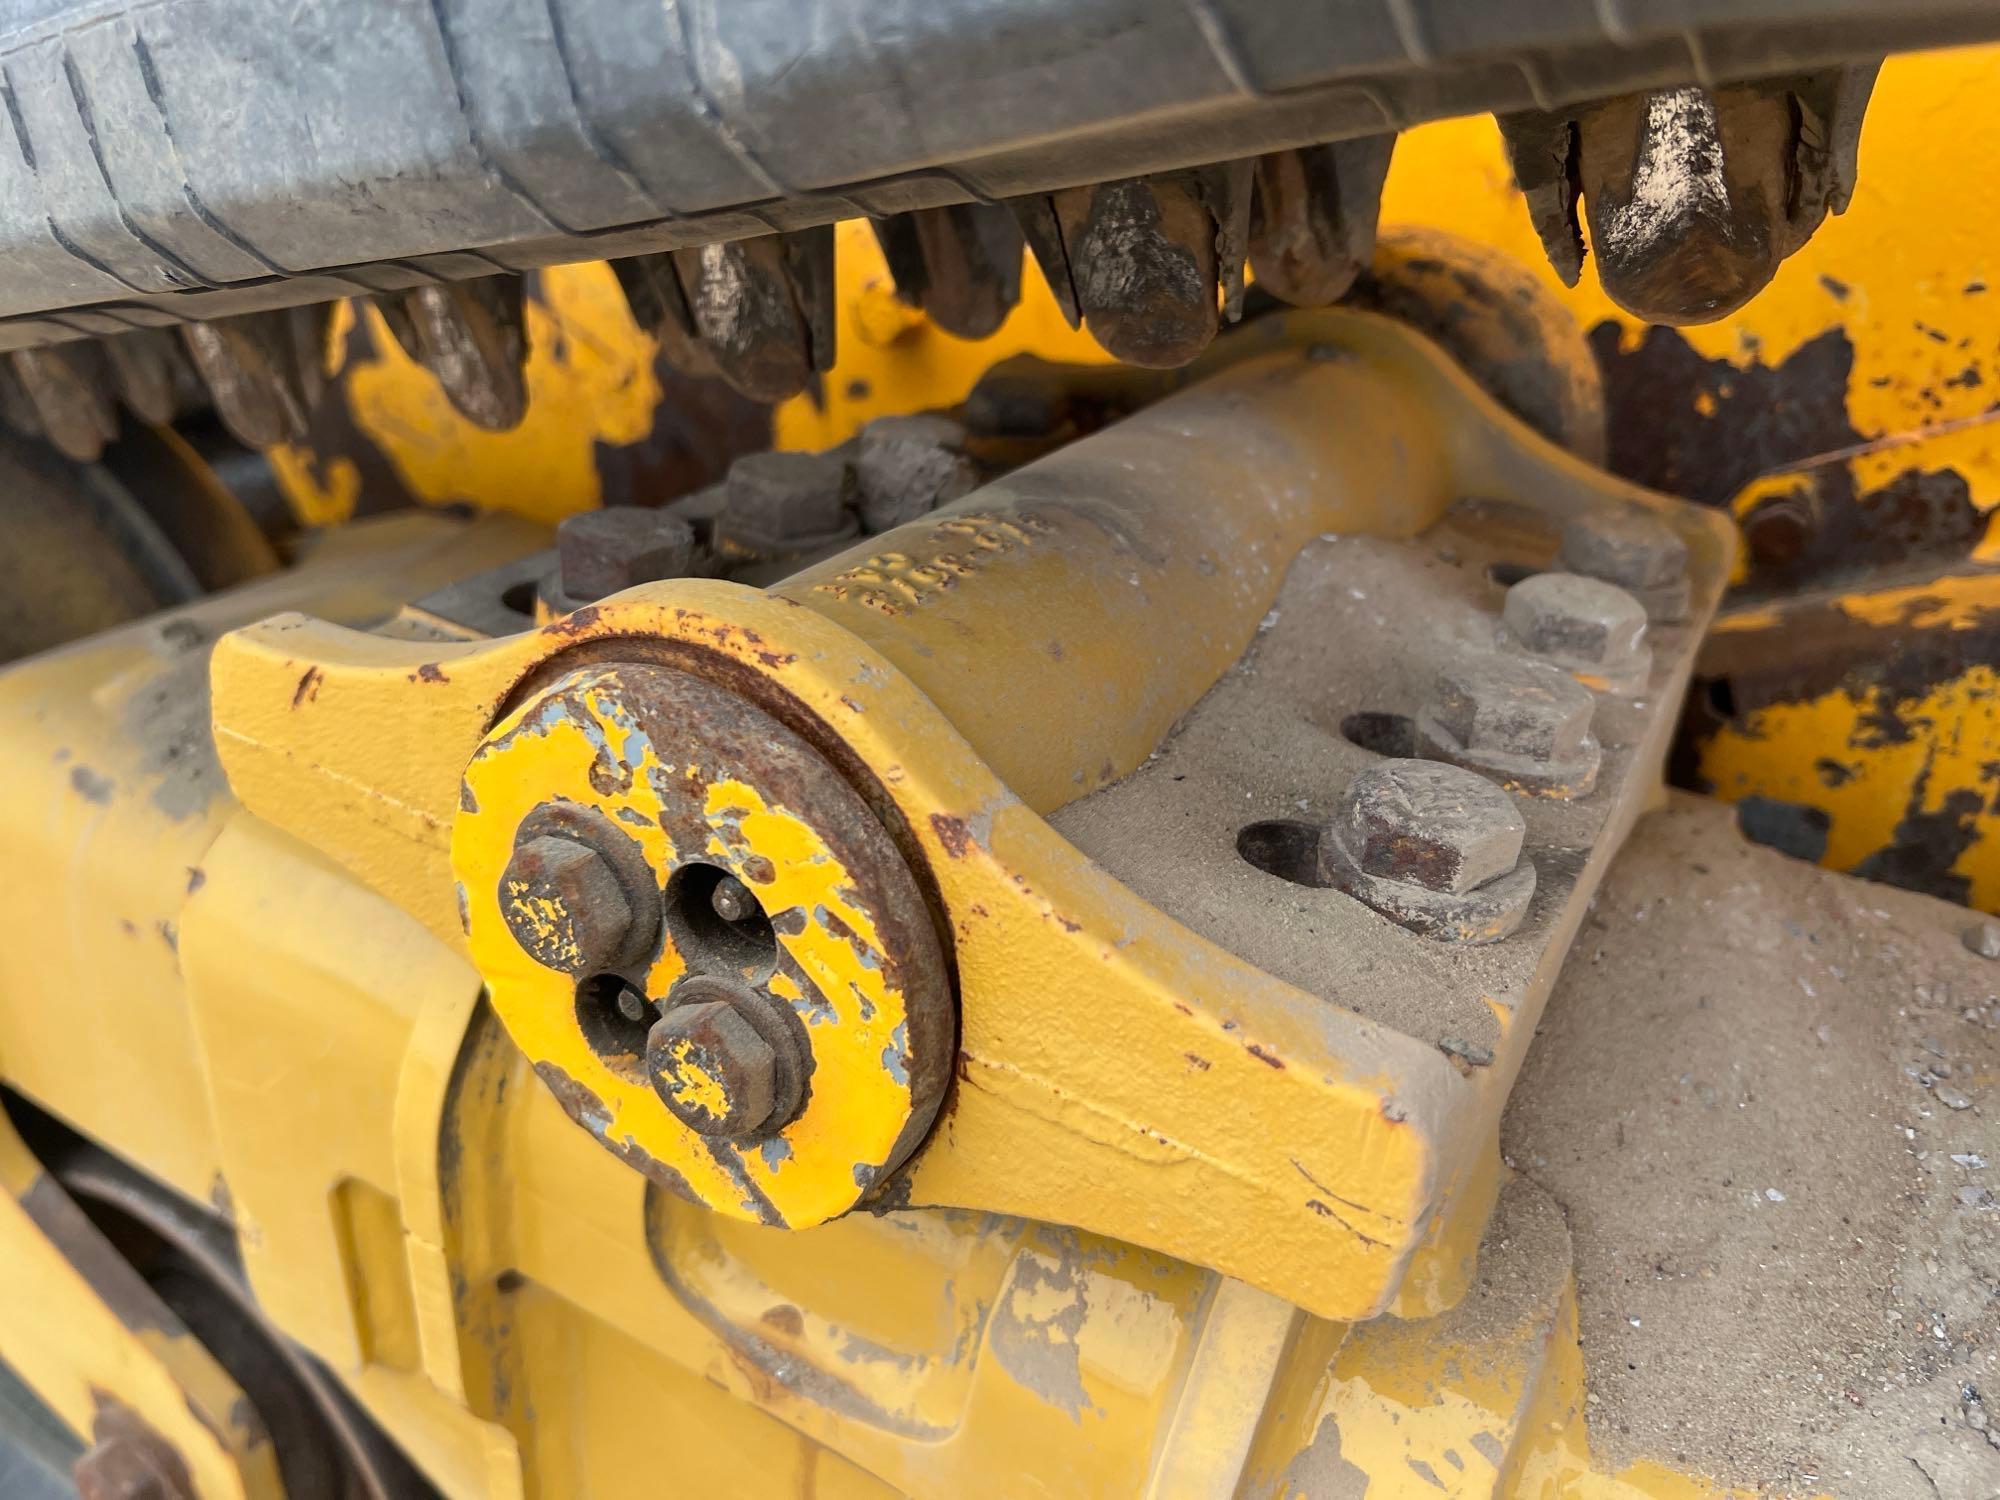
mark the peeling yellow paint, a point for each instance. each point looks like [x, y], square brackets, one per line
[694, 1085]
[852, 1013]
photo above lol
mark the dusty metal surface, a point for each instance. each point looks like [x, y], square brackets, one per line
[1365, 625]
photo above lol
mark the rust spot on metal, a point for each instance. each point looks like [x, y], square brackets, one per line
[785, 1318]
[308, 688]
[1200, 1062]
[953, 833]
[1262, 1056]
[576, 622]
[1705, 428]
[429, 671]
[131, 1458]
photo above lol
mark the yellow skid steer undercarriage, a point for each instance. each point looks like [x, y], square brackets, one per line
[1073, 837]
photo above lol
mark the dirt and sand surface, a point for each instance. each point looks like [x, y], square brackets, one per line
[1767, 1099]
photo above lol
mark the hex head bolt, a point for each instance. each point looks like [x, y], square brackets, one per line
[1524, 723]
[910, 465]
[731, 900]
[1623, 545]
[608, 551]
[722, 1059]
[784, 504]
[565, 906]
[1435, 848]
[1591, 629]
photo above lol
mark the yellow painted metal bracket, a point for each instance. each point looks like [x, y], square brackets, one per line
[1096, 594]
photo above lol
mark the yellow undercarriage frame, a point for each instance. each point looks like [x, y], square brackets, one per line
[1117, 1281]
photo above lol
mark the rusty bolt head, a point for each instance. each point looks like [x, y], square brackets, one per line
[132, 1466]
[778, 500]
[715, 1073]
[1779, 528]
[1427, 824]
[910, 465]
[1512, 706]
[564, 905]
[1576, 621]
[1623, 545]
[1030, 402]
[606, 551]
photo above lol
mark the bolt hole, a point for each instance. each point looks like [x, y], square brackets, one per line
[710, 942]
[1284, 847]
[1380, 733]
[614, 1018]
[1504, 575]
[519, 597]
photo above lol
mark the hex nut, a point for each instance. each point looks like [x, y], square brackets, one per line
[910, 465]
[607, 551]
[1408, 840]
[779, 503]
[1523, 722]
[712, 1069]
[1633, 549]
[1493, 702]
[1436, 826]
[563, 902]
[1591, 628]
[1622, 545]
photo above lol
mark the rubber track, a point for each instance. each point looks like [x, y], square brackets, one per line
[182, 159]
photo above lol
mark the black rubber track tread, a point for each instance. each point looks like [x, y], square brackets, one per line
[171, 160]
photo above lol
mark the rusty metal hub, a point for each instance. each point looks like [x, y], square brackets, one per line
[711, 949]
